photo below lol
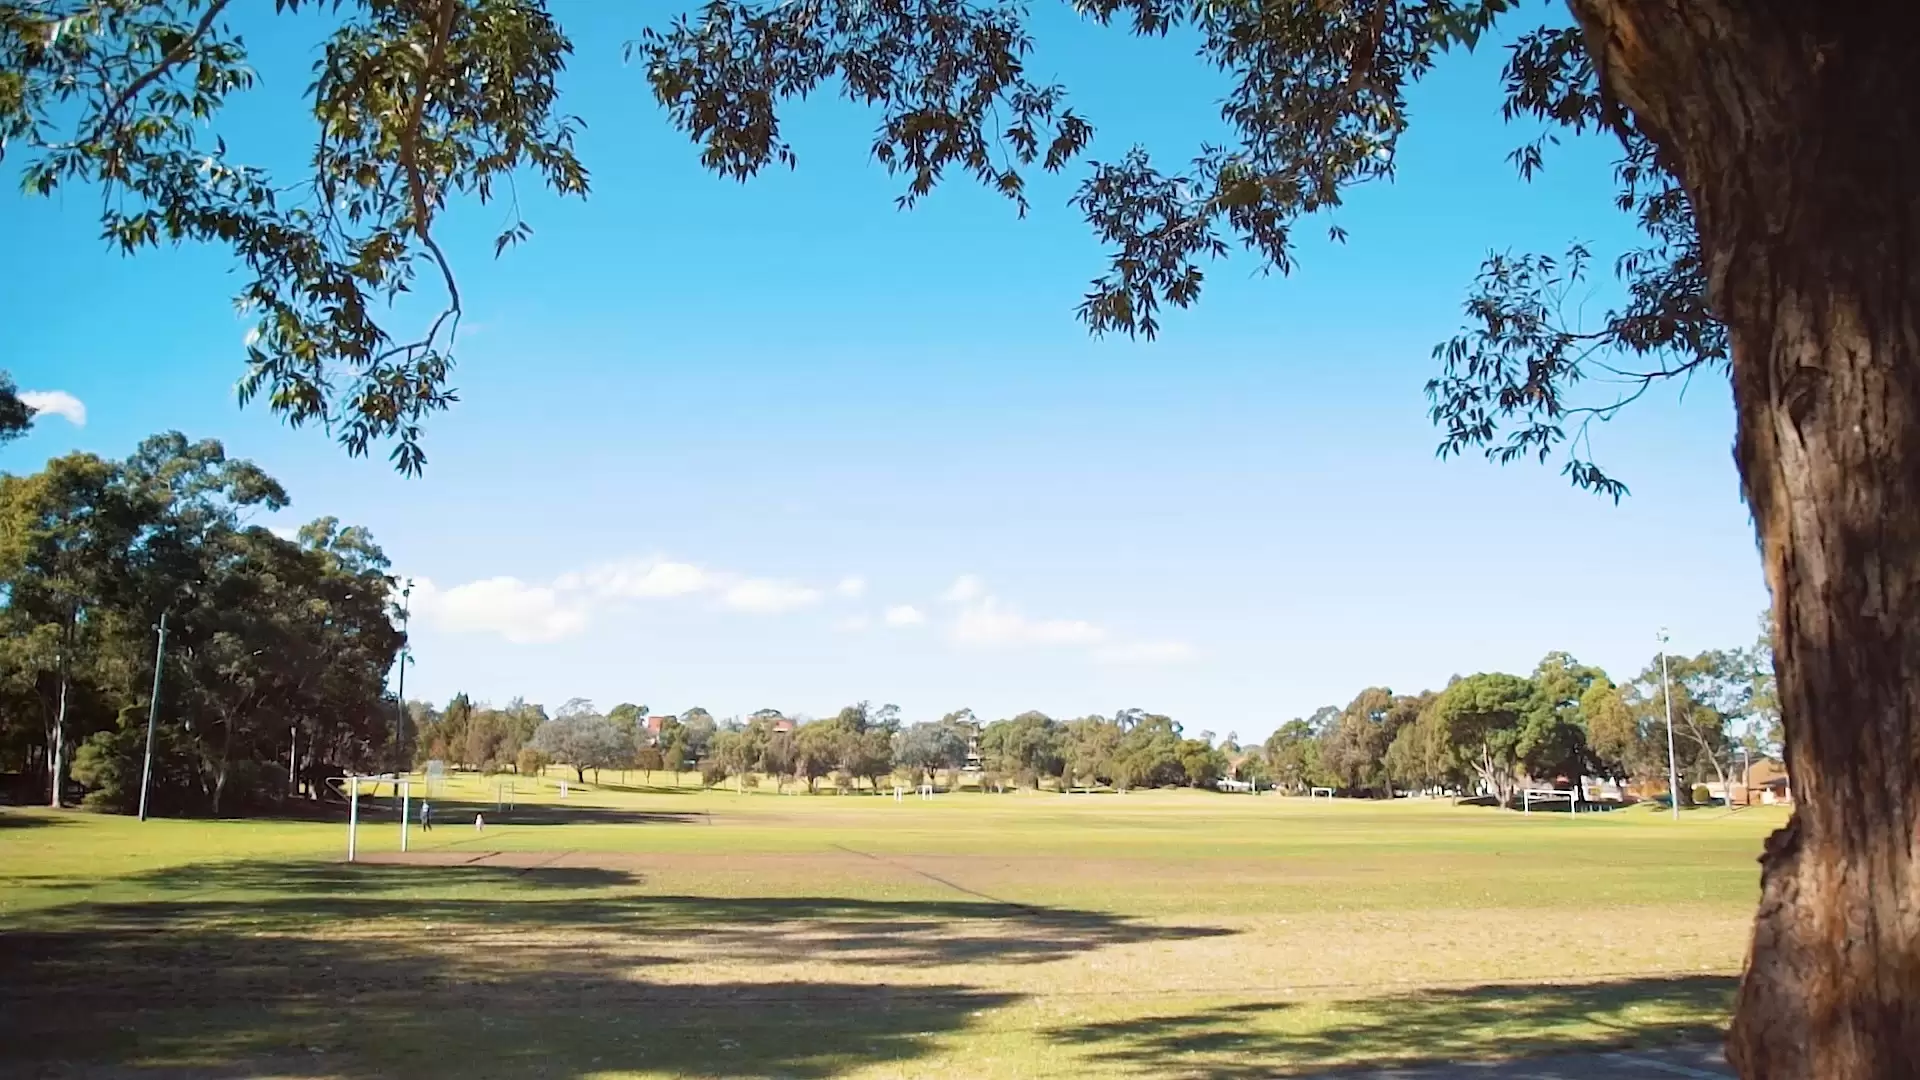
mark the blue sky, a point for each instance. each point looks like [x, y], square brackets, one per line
[782, 445]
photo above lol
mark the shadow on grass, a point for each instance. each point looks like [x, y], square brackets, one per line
[315, 881]
[1241, 1042]
[458, 813]
[128, 1002]
[13, 818]
[596, 907]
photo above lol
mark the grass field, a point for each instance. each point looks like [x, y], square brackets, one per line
[637, 931]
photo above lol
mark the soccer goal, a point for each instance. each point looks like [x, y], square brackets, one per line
[436, 778]
[1319, 793]
[1531, 797]
[349, 789]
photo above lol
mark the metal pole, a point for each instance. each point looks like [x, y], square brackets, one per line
[405, 792]
[400, 728]
[153, 712]
[353, 814]
[1673, 765]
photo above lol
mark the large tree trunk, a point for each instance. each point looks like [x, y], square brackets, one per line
[1795, 126]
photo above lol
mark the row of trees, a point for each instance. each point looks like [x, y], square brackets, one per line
[862, 743]
[277, 650]
[1486, 733]
[1489, 733]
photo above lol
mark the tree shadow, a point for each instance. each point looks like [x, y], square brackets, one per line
[597, 903]
[1480, 1023]
[384, 811]
[314, 879]
[650, 788]
[224, 1003]
[14, 819]
[557, 814]
[292, 897]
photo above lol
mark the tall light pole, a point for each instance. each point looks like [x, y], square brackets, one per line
[1673, 764]
[153, 712]
[400, 722]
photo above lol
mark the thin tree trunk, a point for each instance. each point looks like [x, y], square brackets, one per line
[57, 756]
[226, 756]
[1795, 127]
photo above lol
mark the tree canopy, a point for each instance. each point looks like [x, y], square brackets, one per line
[277, 649]
[420, 102]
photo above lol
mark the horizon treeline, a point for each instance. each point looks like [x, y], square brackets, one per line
[1483, 733]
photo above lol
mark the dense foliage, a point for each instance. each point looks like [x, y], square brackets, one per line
[1488, 733]
[277, 650]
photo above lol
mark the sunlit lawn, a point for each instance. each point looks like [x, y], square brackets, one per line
[645, 930]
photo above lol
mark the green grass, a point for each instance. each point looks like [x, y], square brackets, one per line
[636, 931]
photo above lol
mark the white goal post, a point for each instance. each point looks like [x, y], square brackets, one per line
[349, 786]
[1529, 796]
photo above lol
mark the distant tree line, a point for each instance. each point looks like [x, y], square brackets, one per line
[1489, 733]
[277, 649]
[1484, 734]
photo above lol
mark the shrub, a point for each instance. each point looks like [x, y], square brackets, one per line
[712, 772]
[106, 765]
[531, 762]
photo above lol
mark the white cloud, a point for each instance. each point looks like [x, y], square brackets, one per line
[641, 579]
[851, 586]
[526, 612]
[56, 402]
[965, 589]
[852, 624]
[987, 622]
[1146, 652]
[983, 621]
[285, 532]
[768, 597]
[904, 615]
[517, 611]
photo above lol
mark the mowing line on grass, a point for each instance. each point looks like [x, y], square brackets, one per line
[938, 880]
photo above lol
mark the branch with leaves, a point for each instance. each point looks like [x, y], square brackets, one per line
[412, 99]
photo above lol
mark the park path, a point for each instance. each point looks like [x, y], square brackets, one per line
[1703, 1062]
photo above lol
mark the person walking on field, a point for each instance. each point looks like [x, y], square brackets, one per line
[426, 816]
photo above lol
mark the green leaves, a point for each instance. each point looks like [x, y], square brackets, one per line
[415, 100]
[945, 76]
[265, 634]
[15, 416]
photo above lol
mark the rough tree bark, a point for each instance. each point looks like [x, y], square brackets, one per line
[1795, 127]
